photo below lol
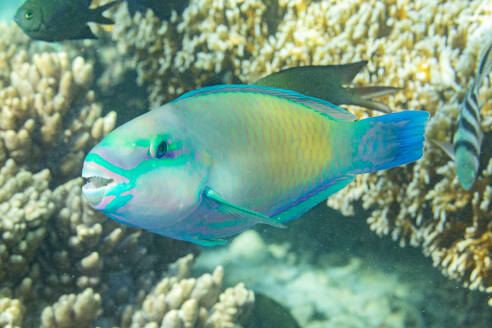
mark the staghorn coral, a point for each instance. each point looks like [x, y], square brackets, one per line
[179, 301]
[429, 48]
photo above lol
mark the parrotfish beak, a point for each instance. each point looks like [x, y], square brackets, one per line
[100, 182]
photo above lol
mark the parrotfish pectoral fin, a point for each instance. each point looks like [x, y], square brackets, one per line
[241, 212]
[313, 198]
[209, 242]
[444, 146]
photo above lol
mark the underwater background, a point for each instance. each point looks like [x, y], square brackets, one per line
[404, 247]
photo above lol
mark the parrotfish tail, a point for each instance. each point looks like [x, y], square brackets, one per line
[387, 141]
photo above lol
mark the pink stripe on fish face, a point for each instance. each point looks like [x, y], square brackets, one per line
[104, 202]
[108, 173]
[124, 208]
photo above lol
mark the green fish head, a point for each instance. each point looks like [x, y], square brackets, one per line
[146, 173]
[29, 17]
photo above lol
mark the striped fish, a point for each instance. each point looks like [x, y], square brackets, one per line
[467, 140]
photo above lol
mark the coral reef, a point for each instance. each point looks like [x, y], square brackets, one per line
[25, 208]
[11, 313]
[180, 301]
[73, 310]
[48, 108]
[428, 48]
[329, 272]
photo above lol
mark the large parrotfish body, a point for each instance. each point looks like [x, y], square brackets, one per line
[219, 160]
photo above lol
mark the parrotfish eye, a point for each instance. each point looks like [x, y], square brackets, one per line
[158, 147]
[161, 149]
[28, 15]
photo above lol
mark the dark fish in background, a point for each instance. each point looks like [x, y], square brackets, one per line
[58, 20]
[327, 82]
[161, 8]
[467, 141]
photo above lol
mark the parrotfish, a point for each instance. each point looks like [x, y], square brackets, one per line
[467, 141]
[219, 160]
[58, 20]
[327, 82]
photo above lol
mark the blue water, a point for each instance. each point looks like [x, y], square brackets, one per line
[8, 8]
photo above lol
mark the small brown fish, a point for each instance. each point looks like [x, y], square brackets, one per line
[58, 20]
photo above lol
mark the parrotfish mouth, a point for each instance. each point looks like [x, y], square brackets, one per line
[99, 182]
[96, 187]
[95, 182]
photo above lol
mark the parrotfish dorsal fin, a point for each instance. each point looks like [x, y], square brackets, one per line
[328, 109]
[327, 82]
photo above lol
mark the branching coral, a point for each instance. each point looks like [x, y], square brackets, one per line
[429, 48]
[11, 313]
[47, 108]
[73, 311]
[178, 301]
[25, 207]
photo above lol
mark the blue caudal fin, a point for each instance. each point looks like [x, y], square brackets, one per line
[389, 140]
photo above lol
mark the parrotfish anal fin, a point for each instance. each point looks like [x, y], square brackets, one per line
[324, 107]
[241, 212]
[444, 146]
[313, 198]
[209, 242]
